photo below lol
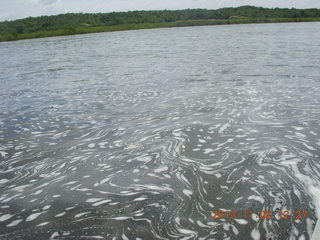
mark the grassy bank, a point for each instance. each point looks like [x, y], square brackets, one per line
[122, 27]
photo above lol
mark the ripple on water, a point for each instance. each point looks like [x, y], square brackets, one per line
[149, 136]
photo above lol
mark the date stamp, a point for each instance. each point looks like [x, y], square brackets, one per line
[259, 215]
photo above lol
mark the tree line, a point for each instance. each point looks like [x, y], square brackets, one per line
[70, 22]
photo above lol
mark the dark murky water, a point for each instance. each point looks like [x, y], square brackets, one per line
[142, 134]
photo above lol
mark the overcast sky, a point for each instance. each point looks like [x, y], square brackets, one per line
[13, 9]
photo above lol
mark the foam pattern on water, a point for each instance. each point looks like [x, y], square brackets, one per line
[142, 134]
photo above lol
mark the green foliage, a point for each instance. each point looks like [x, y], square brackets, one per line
[68, 24]
[69, 30]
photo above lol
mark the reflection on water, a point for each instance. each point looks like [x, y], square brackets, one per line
[142, 134]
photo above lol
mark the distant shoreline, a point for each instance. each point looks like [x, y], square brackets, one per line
[73, 24]
[125, 27]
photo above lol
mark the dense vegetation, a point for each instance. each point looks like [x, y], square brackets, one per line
[67, 24]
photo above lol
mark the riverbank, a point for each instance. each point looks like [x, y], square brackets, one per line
[123, 27]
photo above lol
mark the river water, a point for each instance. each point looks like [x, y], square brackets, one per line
[144, 134]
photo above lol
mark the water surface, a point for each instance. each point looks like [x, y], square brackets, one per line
[142, 134]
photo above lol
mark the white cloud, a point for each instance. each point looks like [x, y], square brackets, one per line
[45, 2]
